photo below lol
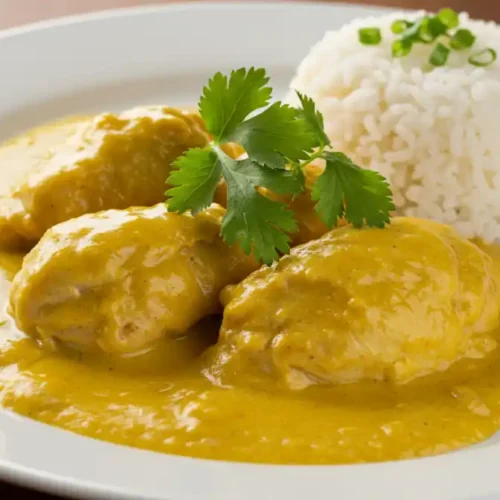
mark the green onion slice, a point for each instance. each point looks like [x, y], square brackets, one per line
[424, 34]
[462, 39]
[399, 26]
[483, 58]
[431, 28]
[401, 48]
[448, 17]
[412, 33]
[439, 55]
[370, 36]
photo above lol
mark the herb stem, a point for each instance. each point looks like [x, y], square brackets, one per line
[299, 166]
[314, 156]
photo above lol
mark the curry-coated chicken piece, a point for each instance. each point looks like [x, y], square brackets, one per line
[112, 161]
[120, 279]
[356, 305]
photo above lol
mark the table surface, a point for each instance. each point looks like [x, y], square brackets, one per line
[15, 12]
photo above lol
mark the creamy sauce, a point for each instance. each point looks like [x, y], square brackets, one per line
[22, 153]
[163, 400]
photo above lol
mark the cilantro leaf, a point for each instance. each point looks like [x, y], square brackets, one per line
[314, 119]
[225, 103]
[280, 182]
[344, 189]
[328, 192]
[194, 180]
[277, 134]
[256, 222]
[369, 201]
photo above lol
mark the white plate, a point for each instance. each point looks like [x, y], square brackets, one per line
[117, 59]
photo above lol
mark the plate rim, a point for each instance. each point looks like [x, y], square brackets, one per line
[179, 5]
[63, 484]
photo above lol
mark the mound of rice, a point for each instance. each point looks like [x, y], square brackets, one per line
[433, 132]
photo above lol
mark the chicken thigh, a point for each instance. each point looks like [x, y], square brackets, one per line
[120, 279]
[372, 304]
[112, 161]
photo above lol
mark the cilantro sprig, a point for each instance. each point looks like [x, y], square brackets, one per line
[280, 141]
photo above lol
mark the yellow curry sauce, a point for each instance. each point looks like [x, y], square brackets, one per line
[164, 399]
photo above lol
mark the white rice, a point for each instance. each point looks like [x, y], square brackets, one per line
[434, 133]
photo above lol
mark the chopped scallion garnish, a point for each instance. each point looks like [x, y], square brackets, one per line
[462, 39]
[439, 55]
[448, 17]
[412, 33]
[483, 58]
[401, 48]
[370, 36]
[399, 26]
[429, 29]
